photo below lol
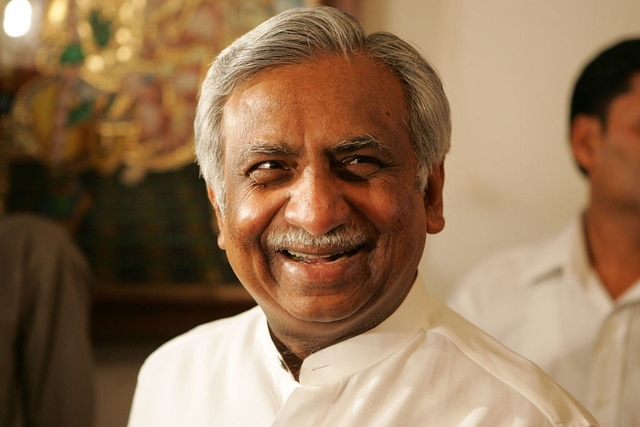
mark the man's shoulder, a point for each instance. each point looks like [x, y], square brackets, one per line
[513, 378]
[513, 262]
[501, 276]
[507, 269]
[208, 339]
[497, 291]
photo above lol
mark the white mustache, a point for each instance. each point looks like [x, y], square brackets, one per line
[343, 237]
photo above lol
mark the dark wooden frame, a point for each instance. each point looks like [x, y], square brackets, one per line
[157, 313]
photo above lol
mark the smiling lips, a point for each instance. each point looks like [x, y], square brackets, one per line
[310, 258]
[300, 246]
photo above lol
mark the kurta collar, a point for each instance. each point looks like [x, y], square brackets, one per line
[566, 254]
[360, 352]
[555, 258]
[345, 358]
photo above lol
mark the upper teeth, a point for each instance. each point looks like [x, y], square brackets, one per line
[311, 256]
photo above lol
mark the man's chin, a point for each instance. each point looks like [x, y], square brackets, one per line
[323, 311]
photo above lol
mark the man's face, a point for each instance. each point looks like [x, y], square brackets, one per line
[614, 166]
[324, 223]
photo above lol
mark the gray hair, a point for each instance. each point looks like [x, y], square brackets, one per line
[303, 34]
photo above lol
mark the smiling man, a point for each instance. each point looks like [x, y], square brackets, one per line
[323, 150]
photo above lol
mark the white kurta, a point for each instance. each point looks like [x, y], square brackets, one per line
[423, 366]
[545, 302]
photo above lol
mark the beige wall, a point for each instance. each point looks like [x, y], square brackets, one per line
[507, 67]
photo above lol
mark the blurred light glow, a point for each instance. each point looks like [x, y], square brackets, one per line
[57, 11]
[95, 63]
[124, 53]
[123, 35]
[17, 18]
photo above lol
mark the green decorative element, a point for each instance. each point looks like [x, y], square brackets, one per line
[80, 114]
[101, 28]
[72, 54]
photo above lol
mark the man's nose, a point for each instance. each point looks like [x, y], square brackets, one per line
[316, 203]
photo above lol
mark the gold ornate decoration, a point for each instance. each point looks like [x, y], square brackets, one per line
[120, 80]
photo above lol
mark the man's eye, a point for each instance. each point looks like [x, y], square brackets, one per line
[268, 173]
[361, 166]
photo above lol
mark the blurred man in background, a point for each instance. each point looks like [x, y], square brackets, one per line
[46, 365]
[571, 304]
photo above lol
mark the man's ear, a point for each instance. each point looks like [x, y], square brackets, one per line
[585, 134]
[219, 219]
[433, 203]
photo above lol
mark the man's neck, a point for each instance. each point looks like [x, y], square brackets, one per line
[297, 343]
[613, 244]
[291, 359]
[296, 351]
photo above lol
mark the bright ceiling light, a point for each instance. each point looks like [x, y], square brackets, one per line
[17, 18]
